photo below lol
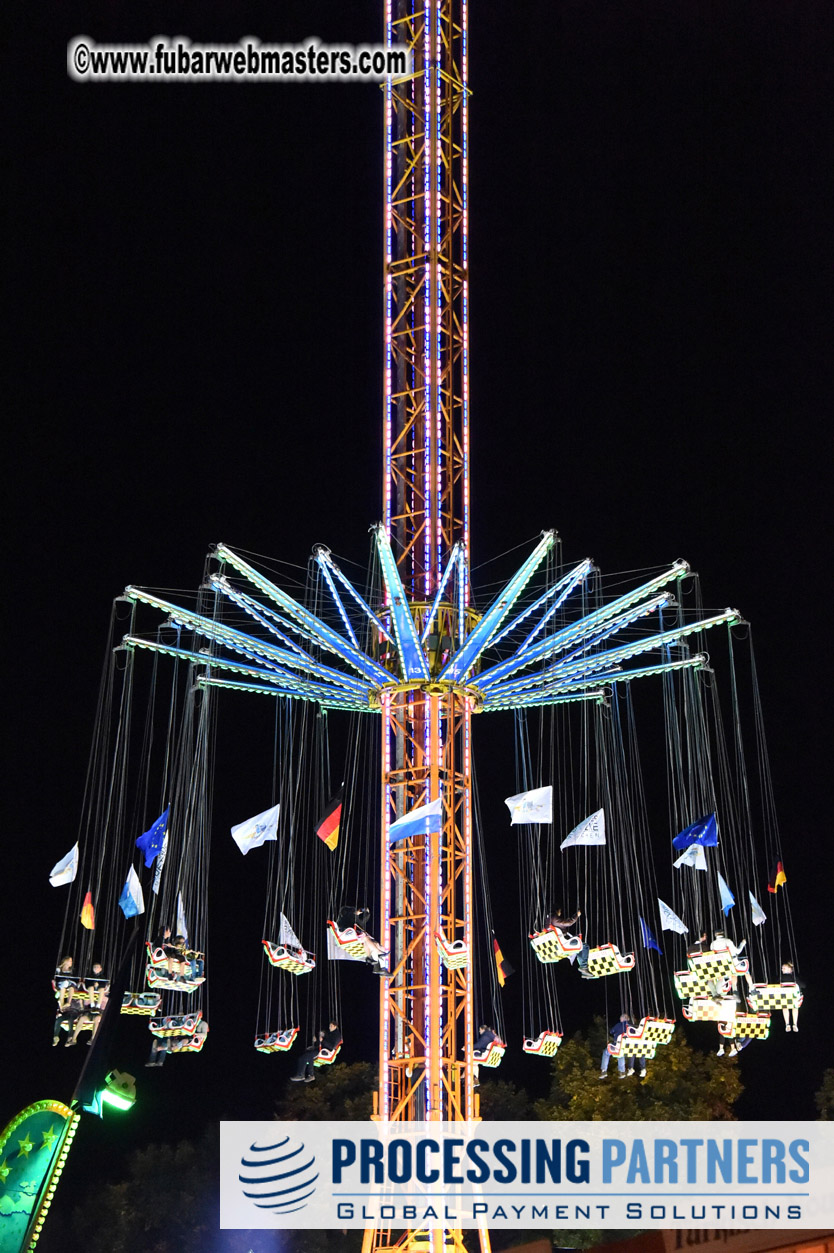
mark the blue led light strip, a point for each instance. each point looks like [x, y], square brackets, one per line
[468, 654]
[565, 585]
[325, 636]
[323, 554]
[290, 693]
[412, 660]
[454, 559]
[328, 578]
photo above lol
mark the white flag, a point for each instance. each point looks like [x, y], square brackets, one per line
[182, 929]
[535, 806]
[288, 936]
[590, 831]
[758, 915]
[694, 856]
[424, 820]
[256, 831]
[65, 870]
[132, 900]
[160, 862]
[670, 921]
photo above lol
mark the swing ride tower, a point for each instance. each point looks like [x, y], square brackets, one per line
[426, 1027]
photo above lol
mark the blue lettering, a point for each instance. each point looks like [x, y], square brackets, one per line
[665, 1159]
[409, 1211]
[399, 1161]
[344, 1154]
[638, 1164]
[499, 1211]
[634, 1211]
[691, 1159]
[500, 1151]
[451, 1159]
[613, 1154]
[794, 1148]
[549, 1161]
[344, 1210]
[794, 1211]
[423, 1173]
[479, 1208]
[715, 1159]
[473, 1151]
[370, 1154]
[745, 1161]
[773, 1158]
[541, 1211]
[577, 1169]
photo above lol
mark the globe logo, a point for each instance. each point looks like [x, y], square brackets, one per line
[278, 1177]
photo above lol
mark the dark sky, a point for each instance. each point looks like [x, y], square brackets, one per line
[194, 305]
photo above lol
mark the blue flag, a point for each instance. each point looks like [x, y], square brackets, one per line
[151, 840]
[703, 832]
[727, 898]
[132, 901]
[421, 821]
[648, 939]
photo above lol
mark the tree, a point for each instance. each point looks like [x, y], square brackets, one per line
[505, 1102]
[340, 1093]
[682, 1084]
[824, 1099]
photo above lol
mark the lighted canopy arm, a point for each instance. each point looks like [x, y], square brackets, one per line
[553, 693]
[565, 586]
[247, 645]
[323, 634]
[466, 657]
[324, 558]
[412, 657]
[454, 560]
[331, 587]
[585, 627]
[283, 681]
[333, 701]
[260, 613]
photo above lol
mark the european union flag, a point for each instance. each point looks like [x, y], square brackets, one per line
[703, 832]
[648, 939]
[151, 841]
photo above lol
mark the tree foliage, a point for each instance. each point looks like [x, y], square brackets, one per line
[682, 1084]
[824, 1098]
[339, 1093]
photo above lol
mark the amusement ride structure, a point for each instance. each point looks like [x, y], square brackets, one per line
[410, 650]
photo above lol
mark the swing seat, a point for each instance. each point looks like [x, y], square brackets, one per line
[608, 960]
[546, 1044]
[179, 1025]
[453, 953]
[552, 944]
[633, 1048]
[295, 961]
[326, 1057]
[747, 1027]
[174, 983]
[717, 964]
[141, 1003]
[767, 996]
[491, 1056]
[278, 1042]
[191, 1043]
[642, 1040]
[700, 983]
[349, 940]
[710, 1009]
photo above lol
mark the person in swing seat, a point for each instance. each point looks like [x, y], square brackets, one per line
[329, 1040]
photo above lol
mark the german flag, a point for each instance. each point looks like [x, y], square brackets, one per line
[777, 877]
[327, 827]
[88, 914]
[501, 964]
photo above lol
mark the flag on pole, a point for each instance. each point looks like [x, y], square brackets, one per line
[256, 831]
[132, 900]
[182, 929]
[670, 921]
[327, 827]
[758, 914]
[527, 807]
[590, 831]
[727, 898]
[501, 964]
[648, 939]
[777, 877]
[88, 914]
[152, 840]
[287, 936]
[694, 856]
[65, 870]
[703, 832]
[421, 821]
[160, 862]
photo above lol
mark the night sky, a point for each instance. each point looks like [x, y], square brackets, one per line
[195, 314]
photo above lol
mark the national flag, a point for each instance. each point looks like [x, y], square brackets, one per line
[703, 832]
[151, 841]
[727, 898]
[777, 877]
[132, 900]
[256, 831]
[327, 827]
[758, 915]
[527, 807]
[160, 863]
[590, 831]
[669, 921]
[421, 821]
[182, 929]
[501, 964]
[88, 914]
[65, 870]
[693, 856]
[648, 939]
